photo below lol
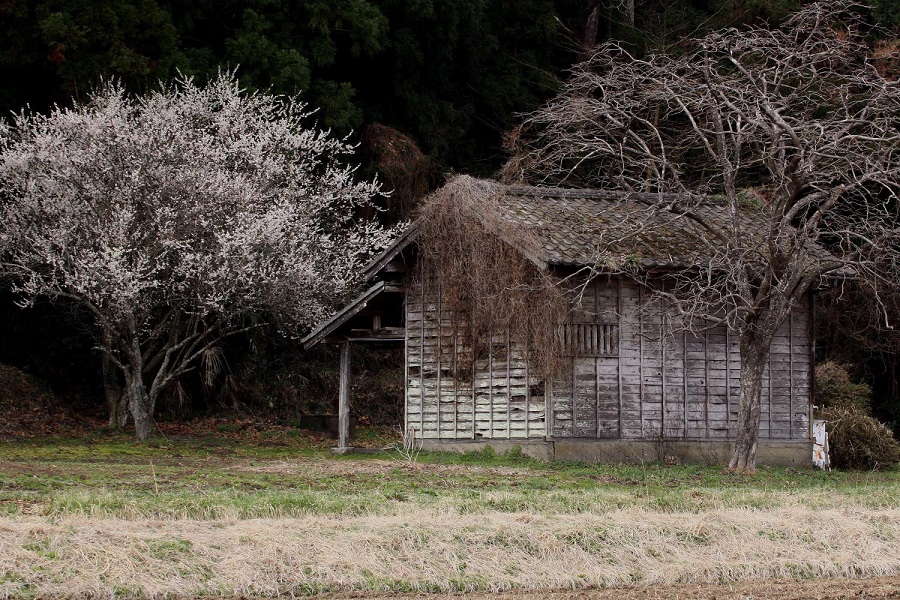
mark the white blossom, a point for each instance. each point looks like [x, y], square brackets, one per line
[176, 215]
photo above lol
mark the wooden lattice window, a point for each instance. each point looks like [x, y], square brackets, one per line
[590, 339]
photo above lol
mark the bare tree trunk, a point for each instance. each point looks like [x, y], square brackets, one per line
[123, 410]
[589, 33]
[139, 401]
[112, 390]
[139, 404]
[755, 348]
[113, 393]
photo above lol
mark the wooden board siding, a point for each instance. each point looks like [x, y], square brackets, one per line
[680, 385]
[654, 385]
[449, 396]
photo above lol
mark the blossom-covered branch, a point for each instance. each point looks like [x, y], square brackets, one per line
[176, 216]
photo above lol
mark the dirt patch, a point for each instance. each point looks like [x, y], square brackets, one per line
[371, 467]
[770, 589]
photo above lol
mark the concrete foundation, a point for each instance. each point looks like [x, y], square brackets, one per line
[769, 452]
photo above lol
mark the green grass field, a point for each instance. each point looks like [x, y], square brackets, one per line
[210, 477]
[100, 516]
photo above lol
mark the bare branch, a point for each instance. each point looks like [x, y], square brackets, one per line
[782, 145]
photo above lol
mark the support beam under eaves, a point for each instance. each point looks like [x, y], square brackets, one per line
[344, 399]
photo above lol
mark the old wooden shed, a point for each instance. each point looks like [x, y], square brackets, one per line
[634, 387]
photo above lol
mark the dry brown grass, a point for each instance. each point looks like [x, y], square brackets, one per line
[434, 551]
[778, 589]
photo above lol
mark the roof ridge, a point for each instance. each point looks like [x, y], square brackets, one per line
[650, 198]
[535, 191]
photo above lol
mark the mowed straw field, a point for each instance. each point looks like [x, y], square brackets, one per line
[100, 517]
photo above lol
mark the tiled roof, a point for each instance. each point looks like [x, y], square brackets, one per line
[579, 227]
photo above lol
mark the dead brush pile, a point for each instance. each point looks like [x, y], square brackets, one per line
[859, 441]
[486, 280]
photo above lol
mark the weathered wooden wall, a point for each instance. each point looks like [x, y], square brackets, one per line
[630, 379]
[680, 385]
[450, 396]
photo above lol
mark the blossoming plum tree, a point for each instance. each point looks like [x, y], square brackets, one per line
[178, 218]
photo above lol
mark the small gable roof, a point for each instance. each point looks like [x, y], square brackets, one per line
[409, 235]
[350, 310]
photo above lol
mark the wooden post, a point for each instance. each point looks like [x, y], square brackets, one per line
[344, 399]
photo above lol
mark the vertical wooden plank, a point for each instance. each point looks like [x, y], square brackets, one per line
[474, 390]
[573, 394]
[528, 391]
[727, 382]
[550, 418]
[810, 329]
[770, 405]
[619, 351]
[454, 366]
[344, 398]
[440, 353]
[791, 376]
[684, 376]
[706, 381]
[596, 361]
[422, 365]
[508, 387]
[491, 380]
[771, 401]
[406, 362]
[640, 311]
[662, 363]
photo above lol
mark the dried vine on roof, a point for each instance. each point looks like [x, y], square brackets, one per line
[486, 281]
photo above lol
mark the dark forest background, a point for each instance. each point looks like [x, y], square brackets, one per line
[425, 87]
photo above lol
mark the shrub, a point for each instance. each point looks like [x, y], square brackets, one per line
[20, 391]
[835, 390]
[859, 441]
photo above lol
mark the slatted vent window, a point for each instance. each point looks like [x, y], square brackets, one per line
[590, 339]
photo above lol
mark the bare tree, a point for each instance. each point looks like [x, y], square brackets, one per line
[177, 219]
[775, 144]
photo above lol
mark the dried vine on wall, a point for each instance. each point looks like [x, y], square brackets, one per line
[489, 287]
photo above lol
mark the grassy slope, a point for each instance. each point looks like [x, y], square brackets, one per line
[100, 516]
